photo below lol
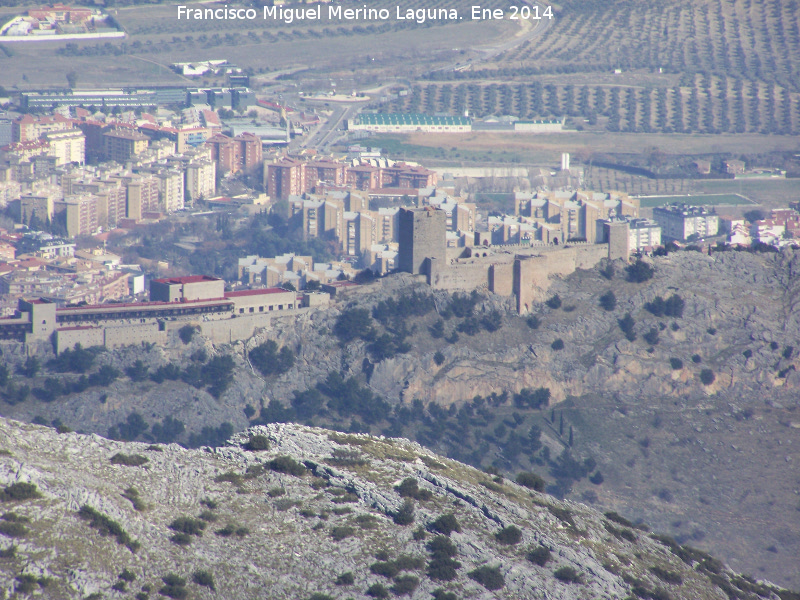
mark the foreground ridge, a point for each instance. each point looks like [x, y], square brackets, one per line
[309, 513]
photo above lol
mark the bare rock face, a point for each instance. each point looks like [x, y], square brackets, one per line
[301, 510]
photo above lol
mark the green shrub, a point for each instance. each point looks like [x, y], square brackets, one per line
[438, 358]
[419, 534]
[558, 344]
[405, 585]
[288, 465]
[651, 337]
[386, 569]
[509, 535]
[230, 477]
[676, 363]
[126, 575]
[531, 481]
[376, 590]
[489, 577]
[697, 359]
[174, 587]
[188, 525]
[409, 488]
[181, 539]
[132, 494]
[106, 527]
[345, 579]
[342, 532]
[405, 514]
[367, 521]
[608, 301]
[354, 323]
[441, 594]
[186, 333]
[707, 376]
[627, 324]
[17, 492]
[319, 596]
[203, 578]
[446, 524]
[597, 478]
[276, 492]
[129, 460]
[567, 575]
[554, 302]
[13, 529]
[271, 361]
[533, 321]
[666, 575]
[257, 443]
[639, 272]
[539, 555]
[442, 567]
[617, 518]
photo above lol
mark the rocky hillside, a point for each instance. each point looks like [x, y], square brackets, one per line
[289, 511]
[688, 421]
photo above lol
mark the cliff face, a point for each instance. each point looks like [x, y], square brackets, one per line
[704, 462]
[315, 513]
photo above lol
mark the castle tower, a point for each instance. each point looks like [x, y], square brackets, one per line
[618, 236]
[422, 235]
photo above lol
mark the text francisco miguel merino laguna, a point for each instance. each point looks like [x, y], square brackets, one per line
[290, 14]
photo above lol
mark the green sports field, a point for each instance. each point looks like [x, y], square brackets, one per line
[700, 200]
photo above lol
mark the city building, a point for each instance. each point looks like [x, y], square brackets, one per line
[67, 146]
[80, 214]
[200, 179]
[408, 123]
[121, 145]
[241, 153]
[680, 221]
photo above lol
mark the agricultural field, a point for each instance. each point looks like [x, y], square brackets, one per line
[157, 38]
[710, 66]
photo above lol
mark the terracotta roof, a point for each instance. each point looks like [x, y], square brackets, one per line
[188, 279]
[256, 292]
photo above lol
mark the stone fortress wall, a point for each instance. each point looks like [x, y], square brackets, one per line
[522, 270]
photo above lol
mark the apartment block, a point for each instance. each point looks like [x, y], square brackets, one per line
[80, 214]
[170, 189]
[67, 146]
[201, 179]
[121, 145]
[680, 221]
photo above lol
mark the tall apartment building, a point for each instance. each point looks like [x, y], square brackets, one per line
[387, 224]
[285, 178]
[67, 146]
[81, 214]
[422, 235]
[573, 215]
[317, 218]
[142, 196]
[358, 233]
[170, 189]
[241, 153]
[328, 171]
[680, 221]
[201, 179]
[121, 145]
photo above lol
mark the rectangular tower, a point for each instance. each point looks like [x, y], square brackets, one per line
[422, 235]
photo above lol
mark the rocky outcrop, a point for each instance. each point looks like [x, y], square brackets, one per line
[292, 519]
